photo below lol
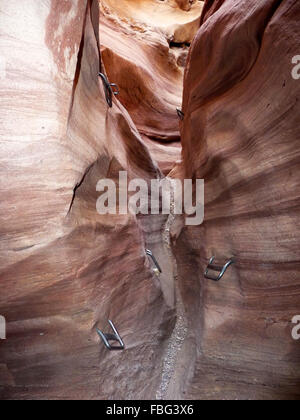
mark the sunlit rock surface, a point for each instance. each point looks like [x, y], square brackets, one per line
[66, 270]
[144, 47]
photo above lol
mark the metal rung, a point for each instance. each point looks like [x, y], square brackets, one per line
[217, 268]
[106, 338]
[180, 114]
[148, 252]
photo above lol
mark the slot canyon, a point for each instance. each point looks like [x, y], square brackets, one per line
[162, 90]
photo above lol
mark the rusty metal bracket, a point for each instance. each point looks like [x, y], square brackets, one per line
[110, 89]
[217, 268]
[115, 337]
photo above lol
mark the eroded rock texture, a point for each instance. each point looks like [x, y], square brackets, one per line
[65, 270]
[241, 134]
[144, 48]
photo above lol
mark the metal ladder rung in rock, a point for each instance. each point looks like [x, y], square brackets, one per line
[106, 338]
[150, 254]
[221, 269]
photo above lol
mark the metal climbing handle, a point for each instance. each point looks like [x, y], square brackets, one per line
[214, 267]
[106, 338]
[115, 89]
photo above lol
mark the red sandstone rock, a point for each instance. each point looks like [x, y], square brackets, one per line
[66, 270]
[241, 134]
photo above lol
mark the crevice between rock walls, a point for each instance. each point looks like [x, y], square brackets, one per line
[91, 268]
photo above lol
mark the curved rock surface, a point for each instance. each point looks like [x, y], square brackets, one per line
[241, 134]
[144, 48]
[65, 269]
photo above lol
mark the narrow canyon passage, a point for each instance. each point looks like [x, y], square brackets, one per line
[66, 269]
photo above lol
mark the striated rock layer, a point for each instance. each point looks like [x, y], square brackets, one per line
[66, 270]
